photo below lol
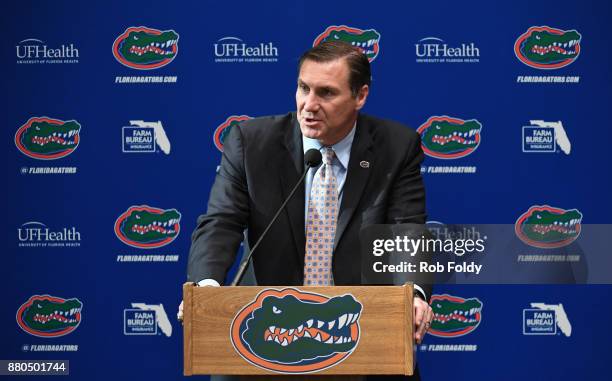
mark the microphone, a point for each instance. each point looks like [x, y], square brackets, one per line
[312, 158]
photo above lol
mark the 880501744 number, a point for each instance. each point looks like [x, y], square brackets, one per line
[34, 367]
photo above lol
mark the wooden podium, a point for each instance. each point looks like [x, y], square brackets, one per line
[223, 331]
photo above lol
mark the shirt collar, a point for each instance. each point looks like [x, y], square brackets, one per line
[342, 148]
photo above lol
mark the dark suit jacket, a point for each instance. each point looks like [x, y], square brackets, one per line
[263, 160]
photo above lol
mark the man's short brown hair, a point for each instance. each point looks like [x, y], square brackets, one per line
[359, 66]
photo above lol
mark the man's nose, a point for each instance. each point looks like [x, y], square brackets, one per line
[311, 103]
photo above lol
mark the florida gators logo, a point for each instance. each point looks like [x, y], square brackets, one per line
[444, 137]
[145, 48]
[366, 40]
[49, 316]
[224, 128]
[47, 138]
[543, 47]
[291, 331]
[146, 227]
[454, 316]
[547, 227]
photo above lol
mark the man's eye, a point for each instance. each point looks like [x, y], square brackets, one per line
[304, 88]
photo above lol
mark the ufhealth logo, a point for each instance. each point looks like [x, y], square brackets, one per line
[145, 48]
[435, 50]
[35, 51]
[547, 227]
[368, 40]
[444, 137]
[49, 316]
[46, 138]
[37, 234]
[294, 332]
[222, 131]
[146, 227]
[543, 136]
[141, 136]
[144, 319]
[544, 319]
[235, 50]
[543, 47]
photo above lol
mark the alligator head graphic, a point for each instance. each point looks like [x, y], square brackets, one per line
[224, 128]
[290, 331]
[444, 137]
[543, 47]
[367, 40]
[145, 48]
[454, 316]
[547, 227]
[49, 316]
[47, 139]
[146, 227]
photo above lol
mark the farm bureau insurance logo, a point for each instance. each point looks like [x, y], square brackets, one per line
[235, 50]
[544, 319]
[294, 332]
[37, 234]
[435, 50]
[222, 131]
[46, 138]
[368, 40]
[49, 316]
[454, 316]
[143, 136]
[146, 227]
[34, 51]
[444, 137]
[547, 227]
[144, 319]
[543, 136]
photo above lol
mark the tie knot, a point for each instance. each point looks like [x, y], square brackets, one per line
[328, 155]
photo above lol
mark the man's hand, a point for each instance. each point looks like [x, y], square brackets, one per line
[179, 315]
[423, 315]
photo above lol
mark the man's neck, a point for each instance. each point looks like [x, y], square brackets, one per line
[346, 131]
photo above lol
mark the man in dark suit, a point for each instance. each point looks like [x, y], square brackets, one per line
[376, 163]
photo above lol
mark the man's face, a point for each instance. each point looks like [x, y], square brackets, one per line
[326, 108]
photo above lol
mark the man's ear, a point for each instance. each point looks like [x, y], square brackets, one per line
[362, 96]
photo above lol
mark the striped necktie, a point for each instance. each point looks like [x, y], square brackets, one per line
[321, 224]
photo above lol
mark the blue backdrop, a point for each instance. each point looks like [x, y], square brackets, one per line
[60, 66]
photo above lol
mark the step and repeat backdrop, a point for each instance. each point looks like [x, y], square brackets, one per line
[114, 116]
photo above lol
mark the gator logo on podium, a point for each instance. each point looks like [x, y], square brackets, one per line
[543, 47]
[224, 128]
[454, 316]
[290, 331]
[47, 138]
[49, 316]
[547, 227]
[444, 137]
[145, 48]
[145, 227]
[367, 40]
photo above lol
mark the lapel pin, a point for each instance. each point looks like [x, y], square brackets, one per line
[364, 164]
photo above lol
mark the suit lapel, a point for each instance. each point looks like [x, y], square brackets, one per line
[356, 177]
[291, 170]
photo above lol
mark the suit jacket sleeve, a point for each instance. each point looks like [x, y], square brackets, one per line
[407, 195]
[407, 206]
[219, 232]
